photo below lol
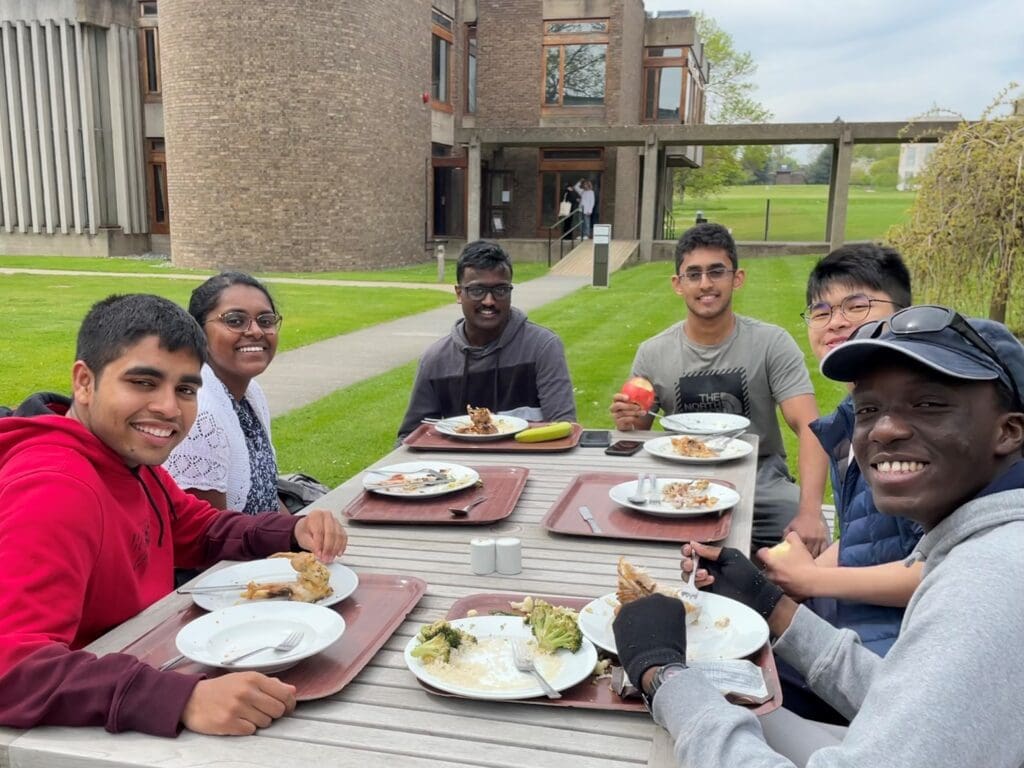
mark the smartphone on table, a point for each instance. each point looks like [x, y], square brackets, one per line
[595, 438]
[624, 447]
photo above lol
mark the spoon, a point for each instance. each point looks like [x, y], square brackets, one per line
[460, 511]
[638, 496]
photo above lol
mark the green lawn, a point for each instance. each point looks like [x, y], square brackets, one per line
[417, 273]
[601, 330]
[797, 212]
[43, 314]
[333, 438]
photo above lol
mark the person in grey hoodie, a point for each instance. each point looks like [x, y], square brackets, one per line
[939, 431]
[494, 357]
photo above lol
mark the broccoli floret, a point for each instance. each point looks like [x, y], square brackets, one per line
[538, 610]
[428, 631]
[555, 628]
[434, 649]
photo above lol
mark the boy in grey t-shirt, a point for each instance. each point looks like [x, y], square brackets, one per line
[716, 360]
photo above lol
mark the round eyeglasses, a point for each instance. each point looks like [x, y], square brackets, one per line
[240, 322]
[476, 291]
[854, 308]
[714, 274]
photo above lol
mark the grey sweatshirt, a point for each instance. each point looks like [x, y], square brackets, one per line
[524, 371]
[950, 691]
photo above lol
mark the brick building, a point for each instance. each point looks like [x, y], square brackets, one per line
[298, 136]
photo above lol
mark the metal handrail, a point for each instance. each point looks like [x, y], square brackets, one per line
[571, 233]
[668, 225]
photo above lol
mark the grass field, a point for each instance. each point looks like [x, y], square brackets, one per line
[417, 273]
[601, 330]
[333, 439]
[797, 212]
[42, 315]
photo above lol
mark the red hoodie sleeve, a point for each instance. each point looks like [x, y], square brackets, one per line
[204, 535]
[51, 532]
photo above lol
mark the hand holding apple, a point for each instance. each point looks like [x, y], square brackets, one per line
[640, 391]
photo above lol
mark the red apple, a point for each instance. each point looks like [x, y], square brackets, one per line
[640, 391]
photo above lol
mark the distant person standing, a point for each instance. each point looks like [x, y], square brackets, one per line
[586, 192]
[570, 196]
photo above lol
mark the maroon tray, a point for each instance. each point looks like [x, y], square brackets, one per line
[501, 485]
[593, 693]
[591, 489]
[372, 613]
[426, 438]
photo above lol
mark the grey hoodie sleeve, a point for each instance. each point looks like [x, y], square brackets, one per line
[554, 387]
[423, 402]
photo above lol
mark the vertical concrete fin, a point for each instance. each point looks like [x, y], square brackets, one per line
[31, 127]
[20, 170]
[44, 118]
[117, 127]
[86, 60]
[7, 209]
[76, 167]
[56, 54]
[648, 199]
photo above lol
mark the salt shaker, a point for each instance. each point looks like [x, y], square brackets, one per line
[482, 555]
[509, 557]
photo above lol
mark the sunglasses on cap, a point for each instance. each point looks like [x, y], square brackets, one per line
[931, 318]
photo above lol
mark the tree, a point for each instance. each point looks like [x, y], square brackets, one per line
[964, 239]
[820, 169]
[730, 99]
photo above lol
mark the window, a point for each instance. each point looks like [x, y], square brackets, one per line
[575, 54]
[440, 73]
[159, 220]
[471, 68]
[147, 7]
[666, 85]
[149, 62]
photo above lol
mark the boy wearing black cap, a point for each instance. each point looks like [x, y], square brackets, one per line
[939, 432]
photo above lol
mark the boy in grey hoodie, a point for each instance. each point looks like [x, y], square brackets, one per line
[939, 431]
[494, 357]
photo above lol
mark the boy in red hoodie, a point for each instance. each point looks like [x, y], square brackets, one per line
[91, 528]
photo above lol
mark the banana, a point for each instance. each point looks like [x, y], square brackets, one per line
[554, 431]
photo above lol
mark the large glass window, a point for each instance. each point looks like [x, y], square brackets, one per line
[666, 83]
[575, 63]
[440, 73]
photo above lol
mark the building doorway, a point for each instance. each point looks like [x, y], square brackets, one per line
[449, 219]
[567, 166]
[156, 168]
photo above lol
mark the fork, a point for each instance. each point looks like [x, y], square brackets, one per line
[524, 663]
[719, 443]
[291, 640]
[689, 588]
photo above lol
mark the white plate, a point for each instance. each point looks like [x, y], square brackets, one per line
[462, 477]
[220, 635]
[507, 426]
[727, 498]
[742, 631]
[662, 448]
[486, 670]
[700, 423]
[343, 581]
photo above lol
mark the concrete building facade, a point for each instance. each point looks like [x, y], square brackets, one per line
[298, 136]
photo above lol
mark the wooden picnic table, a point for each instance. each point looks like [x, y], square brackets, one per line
[384, 718]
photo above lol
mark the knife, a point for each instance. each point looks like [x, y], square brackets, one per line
[587, 515]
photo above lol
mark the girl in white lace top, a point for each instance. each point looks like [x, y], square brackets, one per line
[228, 458]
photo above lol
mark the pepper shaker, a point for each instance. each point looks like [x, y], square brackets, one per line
[509, 557]
[482, 555]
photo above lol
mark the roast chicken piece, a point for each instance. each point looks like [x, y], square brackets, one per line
[313, 583]
[635, 583]
[481, 423]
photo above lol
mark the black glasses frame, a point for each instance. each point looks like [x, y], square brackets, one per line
[478, 292]
[714, 274]
[268, 322]
[820, 323]
[932, 318]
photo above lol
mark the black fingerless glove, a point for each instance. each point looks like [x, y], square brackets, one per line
[738, 578]
[650, 632]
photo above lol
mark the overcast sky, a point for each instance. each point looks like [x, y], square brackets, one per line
[874, 59]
